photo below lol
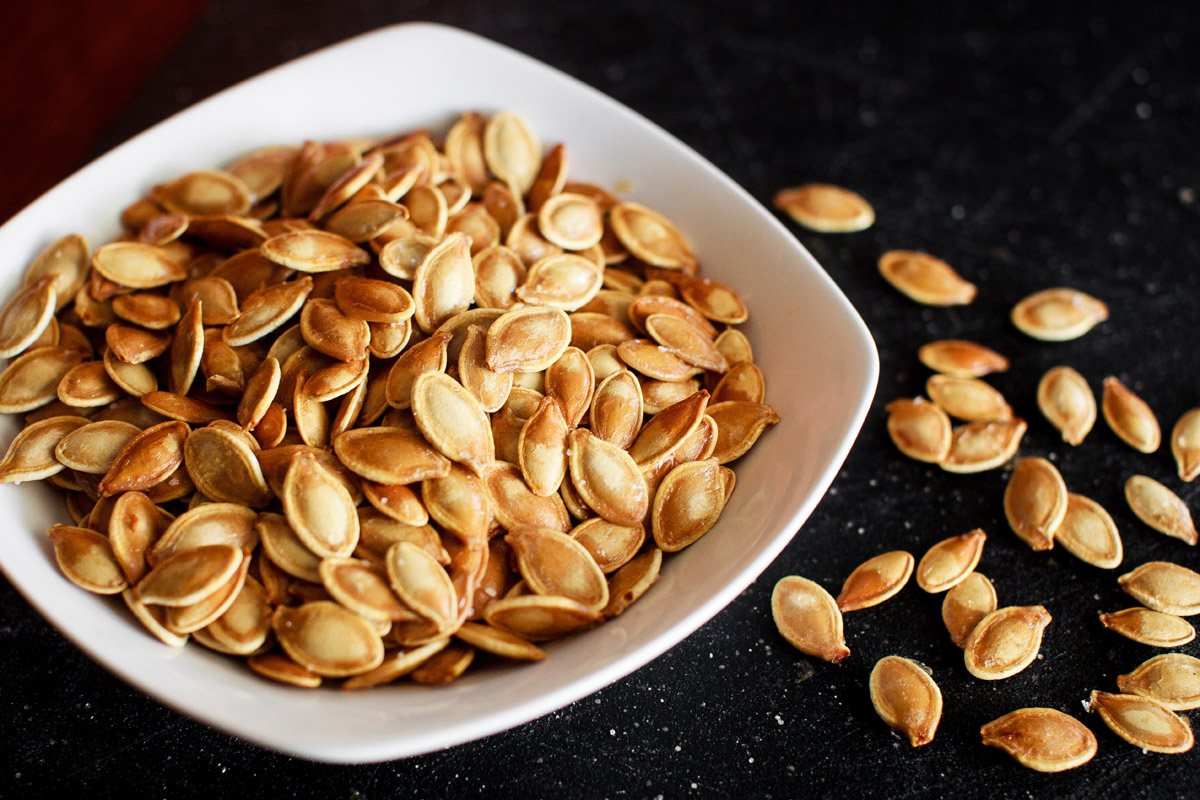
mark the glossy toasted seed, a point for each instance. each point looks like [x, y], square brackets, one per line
[906, 698]
[364, 220]
[527, 339]
[1160, 508]
[498, 273]
[1005, 642]
[966, 604]
[444, 282]
[327, 639]
[571, 221]
[137, 265]
[490, 388]
[243, 627]
[267, 309]
[204, 192]
[210, 523]
[446, 665]
[560, 280]
[93, 447]
[968, 398]
[87, 385]
[1066, 400]
[553, 563]
[284, 548]
[421, 584]
[1129, 416]
[607, 478]
[396, 664]
[1035, 502]
[540, 618]
[512, 151]
[218, 298]
[147, 459]
[430, 355]
[739, 425]
[1058, 315]
[631, 581]
[950, 561]
[66, 261]
[136, 379]
[714, 300]
[31, 454]
[280, 668]
[327, 330]
[319, 508]
[1185, 445]
[86, 559]
[1149, 627]
[193, 617]
[373, 300]
[875, 580]
[313, 251]
[654, 361]
[499, 642]
[611, 546]
[650, 236]
[1143, 722]
[1089, 533]
[134, 345]
[187, 350]
[808, 617]
[514, 503]
[31, 380]
[980, 446]
[182, 409]
[363, 588]
[1165, 587]
[26, 316]
[259, 394]
[542, 448]
[459, 504]
[1172, 679]
[189, 576]
[925, 279]
[223, 466]
[744, 382]
[452, 420]
[687, 504]
[390, 455]
[961, 358]
[1041, 739]
[154, 619]
[920, 429]
[616, 410]
[667, 430]
[685, 340]
[136, 525]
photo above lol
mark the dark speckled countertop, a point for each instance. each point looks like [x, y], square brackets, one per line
[1027, 144]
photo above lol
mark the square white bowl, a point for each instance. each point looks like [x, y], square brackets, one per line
[819, 360]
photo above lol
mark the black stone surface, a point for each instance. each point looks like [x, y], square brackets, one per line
[1030, 145]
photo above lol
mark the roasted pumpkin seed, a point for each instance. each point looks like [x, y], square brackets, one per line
[906, 698]
[1005, 642]
[1165, 587]
[1172, 679]
[1058, 315]
[1035, 502]
[925, 279]
[950, 561]
[1150, 627]
[876, 580]
[1143, 722]
[808, 617]
[1042, 739]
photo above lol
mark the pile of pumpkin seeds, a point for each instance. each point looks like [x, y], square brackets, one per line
[363, 409]
[999, 643]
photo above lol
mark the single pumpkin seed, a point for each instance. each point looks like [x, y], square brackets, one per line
[1058, 315]
[280, 668]
[1035, 502]
[1129, 416]
[616, 411]
[327, 639]
[1065, 399]
[808, 617]
[223, 466]
[1143, 722]
[1005, 642]
[1172, 679]
[876, 580]
[542, 448]
[514, 503]
[553, 563]
[906, 698]
[607, 478]
[968, 398]
[540, 618]
[961, 358]
[980, 446]
[925, 279]
[739, 425]
[147, 459]
[650, 236]
[950, 561]
[1185, 445]
[86, 559]
[1042, 739]
[512, 151]
[826, 208]
[966, 604]
[527, 339]
[31, 454]
[632, 581]
[920, 429]
[1160, 508]
[1089, 533]
[1149, 627]
[1165, 587]
[421, 584]
[31, 379]
[93, 447]
[444, 282]
[190, 575]
[687, 504]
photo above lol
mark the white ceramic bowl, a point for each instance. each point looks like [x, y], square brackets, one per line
[819, 360]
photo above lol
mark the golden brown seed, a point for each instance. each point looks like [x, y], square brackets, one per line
[1035, 502]
[154, 618]
[66, 260]
[327, 330]
[687, 504]
[1172, 679]
[285, 550]
[1160, 508]
[961, 358]
[313, 251]
[919, 429]
[1185, 445]
[1065, 399]
[136, 379]
[136, 525]
[980, 446]
[498, 273]
[950, 561]
[607, 478]
[396, 664]
[243, 627]
[616, 410]
[1058, 315]
[210, 523]
[327, 639]
[1149, 627]
[571, 221]
[527, 339]
[906, 698]
[685, 340]
[925, 279]
[1165, 587]
[453, 421]
[363, 588]
[444, 282]
[26, 316]
[611, 546]
[189, 576]
[134, 345]
[826, 208]
[137, 265]
[1129, 416]
[421, 584]
[458, 503]
[875, 580]
[1042, 739]
[92, 448]
[86, 559]
[390, 455]
[31, 380]
[743, 381]
[560, 280]
[319, 508]
[739, 425]
[204, 192]
[632, 580]
[714, 300]
[808, 617]
[498, 642]
[654, 361]
[968, 398]
[512, 151]
[1143, 722]
[515, 504]
[553, 563]
[147, 459]
[193, 617]
[540, 618]
[966, 604]
[446, 665]
[542, 448]
[650, 236]
[280, 668]
[1005, 642]
[223, 466]
[1089, 533]
[187, 350]
[31, 454]
[88, 386]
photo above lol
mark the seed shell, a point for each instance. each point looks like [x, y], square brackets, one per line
[319, 508]
[31, 454]
[1129, 416]
[1066, 400]
[1005, 642]
[980, 446]
[327, 639]
[631, 581]
[1185, 445]
[950, 561]
[876, 580]
[540, 618]
[1035, 502]
[607, 478]
[925, 279]
[1058, 315]
[1150, 627]
[920, 429]
[1143, 722]
[86, 559]
[968, 398]
[687, 504]
[1042, 739]
[961, 358]
[190, 575]
[826, 208]
[966, 604]
[906, 698]
[1172, 679]
[1165, 587]
[1089, 533]
[553, 563]
[1160, 508]
[808, 617]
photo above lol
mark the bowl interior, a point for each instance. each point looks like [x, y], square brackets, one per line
[819, 361]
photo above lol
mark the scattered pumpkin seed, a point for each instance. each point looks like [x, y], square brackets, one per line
[1150, 627]
[1035, 502]
[1005, 642]
[1165, 587]
[876, 580]
[1089, 533]
[966, 604]
[906, 698]
[950, 561]
[1058, 315]
[1042, 739]
[826, 208]
[925, 279]
[808, 617]
[1172, 679]
[1129, 416]
[1143, 722]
